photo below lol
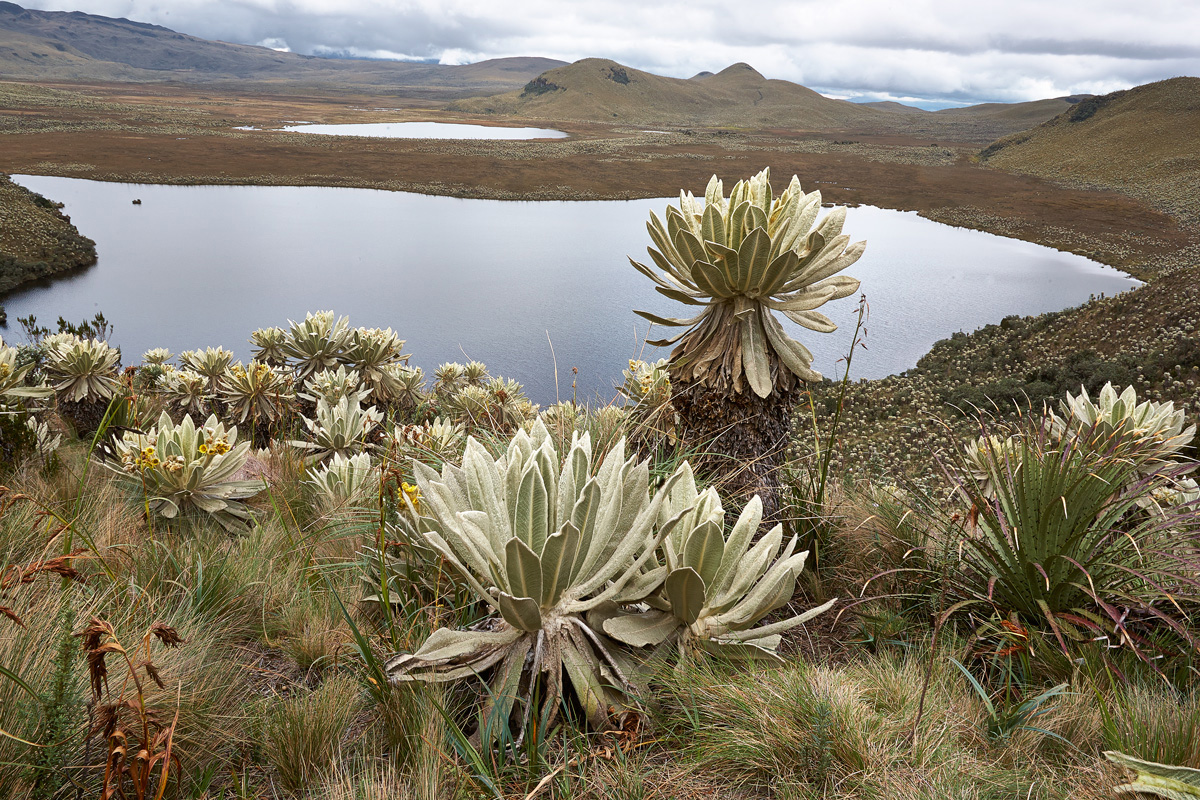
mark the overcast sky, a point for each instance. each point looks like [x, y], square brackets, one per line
[949, 50]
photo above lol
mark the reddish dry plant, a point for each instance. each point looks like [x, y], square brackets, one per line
[15, 575]
[135, 750]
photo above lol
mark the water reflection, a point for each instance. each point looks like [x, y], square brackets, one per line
[493, 280]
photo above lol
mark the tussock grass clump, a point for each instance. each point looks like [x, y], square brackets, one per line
[1154, 723]
[808, 731]
[302, 735]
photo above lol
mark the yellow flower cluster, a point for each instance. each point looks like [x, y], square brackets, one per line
[214, 445]
[141, 459]
[413, 493]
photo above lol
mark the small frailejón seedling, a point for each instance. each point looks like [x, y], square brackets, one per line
[735, 372]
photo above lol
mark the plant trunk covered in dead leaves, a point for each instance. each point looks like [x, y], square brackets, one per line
[738, 438]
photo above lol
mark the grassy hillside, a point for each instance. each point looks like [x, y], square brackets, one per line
[36, 238]
[1031, 113]
[1144, 141]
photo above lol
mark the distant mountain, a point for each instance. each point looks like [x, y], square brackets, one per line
[1033, 112]
[58, 45]
[1144, 141]
[73, 46]
[601, 90]
[892, 105]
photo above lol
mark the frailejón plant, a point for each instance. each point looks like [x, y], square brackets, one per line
[181, 466]
[542, 542]
[715, 588]
[738, 259]
[339, 429]
[82, 370]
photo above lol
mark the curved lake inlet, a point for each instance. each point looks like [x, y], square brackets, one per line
[423, 130]
[497, 281]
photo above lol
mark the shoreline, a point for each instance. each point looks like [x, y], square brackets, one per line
[1061, 238]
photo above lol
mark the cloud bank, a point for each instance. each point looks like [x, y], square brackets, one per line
[952, 51]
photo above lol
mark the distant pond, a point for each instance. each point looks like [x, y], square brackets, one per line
[424, 130]
[498, 281]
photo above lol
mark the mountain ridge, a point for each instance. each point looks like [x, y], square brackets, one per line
[75, 46]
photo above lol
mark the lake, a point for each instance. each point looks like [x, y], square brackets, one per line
[423, 130]
[521, 286]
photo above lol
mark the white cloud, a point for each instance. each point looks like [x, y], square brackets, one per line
[278, 45]
[946, 49]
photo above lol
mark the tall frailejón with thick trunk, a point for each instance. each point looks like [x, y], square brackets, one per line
[736, 374]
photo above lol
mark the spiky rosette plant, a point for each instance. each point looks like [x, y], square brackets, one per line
[437, 441]
[449, 378]
[157, 355]
[542, 542]
[211, 362]
[1157, 427]
[735, 371]
[13, 381]
[268, 345]
[186, 390]
[1154, 433]
[343, 481]
[373, 353]
[647, 391]
[500, 405]
[331, 385]
[980, 455]
[316, 343]
[341, 428]
[182, 466]
[257, 393]
[712, 589]
[1056, 536]
[84, 375]
[410, 385]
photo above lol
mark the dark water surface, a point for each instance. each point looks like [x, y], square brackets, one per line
[492, 280]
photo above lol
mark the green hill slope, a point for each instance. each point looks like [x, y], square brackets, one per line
[1144, 141]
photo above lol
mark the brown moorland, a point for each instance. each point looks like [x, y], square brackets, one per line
[600, 90]
[182, 134]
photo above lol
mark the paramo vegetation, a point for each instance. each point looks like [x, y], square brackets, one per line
[325, 573]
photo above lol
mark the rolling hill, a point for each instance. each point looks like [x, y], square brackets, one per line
[73, 46]
[597, 89]
[1143, 141]
[77, 47]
